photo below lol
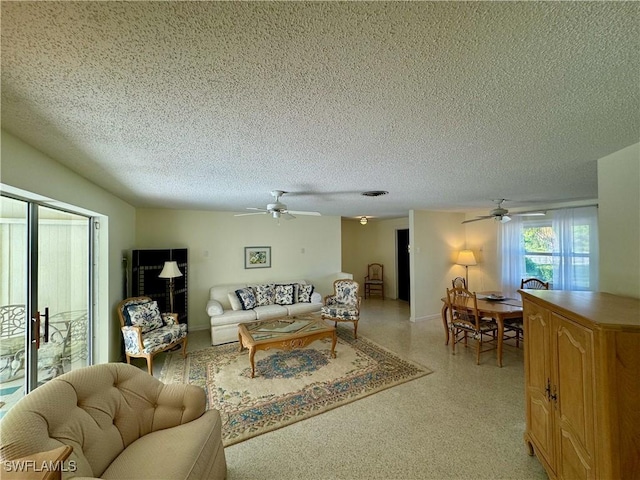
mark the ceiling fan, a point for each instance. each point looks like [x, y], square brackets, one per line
[500, 214]
[277, 209]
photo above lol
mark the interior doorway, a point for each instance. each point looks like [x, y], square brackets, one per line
[402, 259]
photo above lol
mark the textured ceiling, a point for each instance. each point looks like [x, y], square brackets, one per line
[211, 105]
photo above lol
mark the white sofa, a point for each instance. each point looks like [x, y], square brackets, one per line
[225, 320]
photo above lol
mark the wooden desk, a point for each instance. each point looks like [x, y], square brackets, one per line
[498, 310]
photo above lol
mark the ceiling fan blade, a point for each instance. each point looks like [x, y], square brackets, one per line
[297, 212]
[255, 208]
[254, 213]
[478, 218]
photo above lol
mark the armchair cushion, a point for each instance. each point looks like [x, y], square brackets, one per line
[145, 315]
[345, 312]
[161, 338]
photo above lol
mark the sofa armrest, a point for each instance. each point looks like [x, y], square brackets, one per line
[178, 403]
[132, 339]
[214, 307]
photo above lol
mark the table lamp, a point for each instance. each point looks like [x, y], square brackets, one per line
[170, 271]
[466, 258]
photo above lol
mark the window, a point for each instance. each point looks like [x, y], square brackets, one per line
[561, 249]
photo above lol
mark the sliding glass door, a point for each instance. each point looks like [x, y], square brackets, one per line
[44, 295]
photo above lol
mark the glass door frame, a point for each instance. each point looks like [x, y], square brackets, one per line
[31, 301]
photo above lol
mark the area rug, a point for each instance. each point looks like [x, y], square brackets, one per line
[289, 386]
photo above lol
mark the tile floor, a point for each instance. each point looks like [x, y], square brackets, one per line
[463, 421]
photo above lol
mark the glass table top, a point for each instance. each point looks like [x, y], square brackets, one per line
[284, 327]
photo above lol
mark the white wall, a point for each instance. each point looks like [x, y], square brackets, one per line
[619, 221]
[435, 239]
[306, 248]
[25, 168]
[482, 238]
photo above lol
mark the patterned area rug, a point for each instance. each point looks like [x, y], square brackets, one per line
[288, 386]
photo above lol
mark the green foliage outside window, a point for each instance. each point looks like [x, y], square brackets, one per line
[540, 254]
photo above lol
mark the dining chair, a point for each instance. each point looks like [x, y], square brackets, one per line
[459, 282]
[465, 319]
[373, 282]
[534, 284]
[514, 327]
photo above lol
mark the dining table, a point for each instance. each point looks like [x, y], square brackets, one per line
[500, 309]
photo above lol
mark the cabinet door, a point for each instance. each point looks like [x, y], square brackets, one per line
[575, 397]
[538, 358]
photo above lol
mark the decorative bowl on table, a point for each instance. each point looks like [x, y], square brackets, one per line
[494, 297]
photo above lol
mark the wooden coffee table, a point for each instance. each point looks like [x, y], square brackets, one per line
[286, 333]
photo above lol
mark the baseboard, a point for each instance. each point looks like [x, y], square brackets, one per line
[434, 316]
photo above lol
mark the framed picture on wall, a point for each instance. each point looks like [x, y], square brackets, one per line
[257, 257]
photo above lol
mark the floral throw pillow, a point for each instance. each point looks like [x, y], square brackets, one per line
[125, 311]
[284, 294]
[265, 294]
[146, 316]
[304, 293]
[247, 298]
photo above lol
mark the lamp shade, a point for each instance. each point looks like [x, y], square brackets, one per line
[170, 270]
[466, 258]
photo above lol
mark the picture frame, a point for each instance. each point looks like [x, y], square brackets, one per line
[257, 257]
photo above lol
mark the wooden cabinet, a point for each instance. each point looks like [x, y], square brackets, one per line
[582, 374]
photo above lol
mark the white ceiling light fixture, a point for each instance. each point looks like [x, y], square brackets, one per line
[363, 220]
